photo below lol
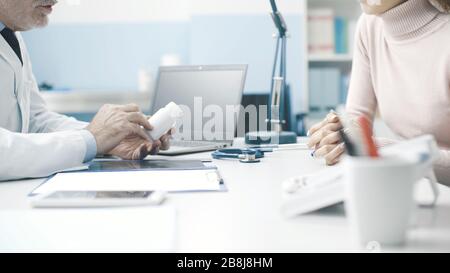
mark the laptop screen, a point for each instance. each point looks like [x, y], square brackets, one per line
[208, 95]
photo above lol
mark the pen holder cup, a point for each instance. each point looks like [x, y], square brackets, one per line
[379, 198]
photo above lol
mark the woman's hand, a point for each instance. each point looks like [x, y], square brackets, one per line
[326, 140]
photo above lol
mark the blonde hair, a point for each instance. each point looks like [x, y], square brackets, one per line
[445, 4]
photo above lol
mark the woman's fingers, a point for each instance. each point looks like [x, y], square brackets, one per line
[330, 118]
[334, 127]
[318, 136]
[331, 153]
[332, 138]
[334, 156]
[316, 127]
[324, 150]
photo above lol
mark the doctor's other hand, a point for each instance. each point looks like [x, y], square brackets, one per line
[134, 147]
[325, 139]
[114, 123]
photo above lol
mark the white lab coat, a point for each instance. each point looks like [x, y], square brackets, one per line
[34, 142]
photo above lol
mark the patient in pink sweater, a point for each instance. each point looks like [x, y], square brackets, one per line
[401, 67]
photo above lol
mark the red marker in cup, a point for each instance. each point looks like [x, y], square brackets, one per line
[367, 135]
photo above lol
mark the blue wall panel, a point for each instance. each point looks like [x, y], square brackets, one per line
[246, 39]
[103, 56]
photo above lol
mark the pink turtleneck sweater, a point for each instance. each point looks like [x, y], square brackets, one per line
[401, 67]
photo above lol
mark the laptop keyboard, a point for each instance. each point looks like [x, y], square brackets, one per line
[187, 143]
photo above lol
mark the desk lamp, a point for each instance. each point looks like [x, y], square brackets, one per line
[278, 88]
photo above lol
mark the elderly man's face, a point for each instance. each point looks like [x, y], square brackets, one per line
[23, 15]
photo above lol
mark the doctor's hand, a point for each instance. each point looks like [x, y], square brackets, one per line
[135, 147]
[325, 139]
[115, 123]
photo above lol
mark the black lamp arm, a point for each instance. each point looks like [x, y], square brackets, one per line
[278, 19]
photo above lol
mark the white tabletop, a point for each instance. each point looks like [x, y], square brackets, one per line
[247, 218]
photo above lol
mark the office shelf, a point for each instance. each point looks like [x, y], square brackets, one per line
[329, 63]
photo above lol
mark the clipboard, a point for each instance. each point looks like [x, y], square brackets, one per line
[150, 173]
[148, 165]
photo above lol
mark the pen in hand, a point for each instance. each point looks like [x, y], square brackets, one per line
[314, 150]
[349, 146]
[329, 119]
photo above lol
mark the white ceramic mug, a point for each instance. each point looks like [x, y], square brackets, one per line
[379, 198]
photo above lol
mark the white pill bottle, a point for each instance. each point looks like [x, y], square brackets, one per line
[165, 119]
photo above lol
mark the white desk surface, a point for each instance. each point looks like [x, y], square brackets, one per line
[247, 218]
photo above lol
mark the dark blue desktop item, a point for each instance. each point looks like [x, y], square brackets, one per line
[276, 117]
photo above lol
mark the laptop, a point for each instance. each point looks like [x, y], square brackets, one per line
[213, 86]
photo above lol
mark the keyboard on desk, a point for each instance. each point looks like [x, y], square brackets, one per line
[191, 143]
[179, 147]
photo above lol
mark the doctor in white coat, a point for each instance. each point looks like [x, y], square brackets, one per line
[35, 142]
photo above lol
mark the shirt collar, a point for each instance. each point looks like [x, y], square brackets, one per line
[2, 26]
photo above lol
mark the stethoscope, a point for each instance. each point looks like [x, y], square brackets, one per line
[245, 155]
[253, 154]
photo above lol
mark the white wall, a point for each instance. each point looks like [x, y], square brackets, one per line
[242, 6]
[104, 11]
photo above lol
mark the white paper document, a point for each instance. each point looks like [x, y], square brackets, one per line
[88, 230]
[169, 181]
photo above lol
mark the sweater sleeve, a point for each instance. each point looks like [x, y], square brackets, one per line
[361, 96]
